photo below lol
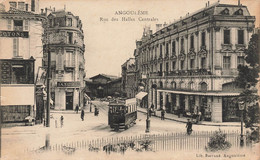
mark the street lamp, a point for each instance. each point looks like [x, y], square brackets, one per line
[241, 108]
[148, 108]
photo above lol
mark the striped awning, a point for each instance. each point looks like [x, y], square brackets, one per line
[209, 93]
[141, 95]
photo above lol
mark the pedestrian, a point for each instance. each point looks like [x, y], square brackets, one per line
[90, 107]
[77, 109]
[61, 121]
[96, 111]
[189, 127]
[162, 114]
[82, 114]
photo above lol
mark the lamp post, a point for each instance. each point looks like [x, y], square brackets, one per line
[241, 108]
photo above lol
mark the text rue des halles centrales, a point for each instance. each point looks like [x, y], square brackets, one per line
[129, 16]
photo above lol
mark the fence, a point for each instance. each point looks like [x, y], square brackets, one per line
[154, 142]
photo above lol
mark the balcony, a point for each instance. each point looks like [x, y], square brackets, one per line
[229, 72]
[69, 67]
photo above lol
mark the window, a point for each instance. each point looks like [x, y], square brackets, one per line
[70, 59]
[192, 41]
[173, 48]
[15, 47]
[9, 25]
[182, 65]
[173, 65]
[240, 60]
[182, 44]
[26, 25]
[203, 86]
[18, 74]
[203, 63]
[69, 22]
[13, 4]
[240, 35]
[203, 39]
[21, 6]
[226, 62]
[70, 37]
[192, 64]
[160, 50]
[18, 25]
[226, 36]
[167, 48]
[167, 67]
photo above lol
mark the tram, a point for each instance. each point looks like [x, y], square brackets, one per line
[122, 114]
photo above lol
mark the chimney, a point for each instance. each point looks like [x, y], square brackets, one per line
[239, 3]
[53, 9]
[33, 5]
[26, 7]
[12, 4]
[41, 11]
[208, 3]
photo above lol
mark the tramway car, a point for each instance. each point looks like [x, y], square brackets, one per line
[122, 114]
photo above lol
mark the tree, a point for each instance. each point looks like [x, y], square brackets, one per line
[247, 79]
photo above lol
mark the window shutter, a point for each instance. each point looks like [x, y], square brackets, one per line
[9, 25]
[26, 25]
[15, 47]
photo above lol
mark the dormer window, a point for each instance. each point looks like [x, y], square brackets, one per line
[69, 22]
[225, 12]
[239, 12]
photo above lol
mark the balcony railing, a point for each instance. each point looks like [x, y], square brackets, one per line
[18, 28]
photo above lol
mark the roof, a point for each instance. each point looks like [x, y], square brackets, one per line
[110, 77]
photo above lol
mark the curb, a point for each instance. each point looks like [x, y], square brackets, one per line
[223, 125]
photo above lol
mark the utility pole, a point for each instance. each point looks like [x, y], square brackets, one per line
[48, 87]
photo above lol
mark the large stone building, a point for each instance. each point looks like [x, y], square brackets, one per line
[64, 39]
[21, 48]
[129, 87]
[193, 61]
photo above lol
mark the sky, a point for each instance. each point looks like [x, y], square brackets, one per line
[110, 43]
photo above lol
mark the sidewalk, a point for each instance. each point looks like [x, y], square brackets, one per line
[174, 117]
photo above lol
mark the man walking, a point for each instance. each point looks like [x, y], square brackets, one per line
[77, 109]
[189, 127]
[162, 114]
[82, 114]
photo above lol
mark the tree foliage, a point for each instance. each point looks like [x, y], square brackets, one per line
[218, 142]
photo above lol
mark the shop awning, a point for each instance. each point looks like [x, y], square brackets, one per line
[208, 93]
[141, 95]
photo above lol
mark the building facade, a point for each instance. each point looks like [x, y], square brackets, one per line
[129, 87]
[103, 85]
[192, 63]
[21, 32]
[64, 39]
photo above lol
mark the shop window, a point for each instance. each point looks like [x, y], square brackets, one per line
[226, 62]
[18, 25]
[226, 36]
[192, 41]
[240, 35]
[240, 60]
[203, 39]
[18, 74]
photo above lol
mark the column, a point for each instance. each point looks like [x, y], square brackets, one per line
[158, 100]
[177, 101]
[164, 100]
[154, 96]
[186, 103]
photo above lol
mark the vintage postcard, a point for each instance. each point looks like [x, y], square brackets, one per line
[136, 79]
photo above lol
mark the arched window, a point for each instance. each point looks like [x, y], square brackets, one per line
[182, 85]
[191, 86]
[173, 84]
[203, 86]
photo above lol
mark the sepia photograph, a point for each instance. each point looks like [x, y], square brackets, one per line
[129, 79]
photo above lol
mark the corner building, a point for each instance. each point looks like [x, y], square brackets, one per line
[193, 62]
[65, 40]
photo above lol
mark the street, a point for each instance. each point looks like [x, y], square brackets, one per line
[32, 137]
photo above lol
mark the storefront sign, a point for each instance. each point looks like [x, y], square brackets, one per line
[14, 34]
[68, 84]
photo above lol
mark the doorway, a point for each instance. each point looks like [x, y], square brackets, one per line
[69, 100]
